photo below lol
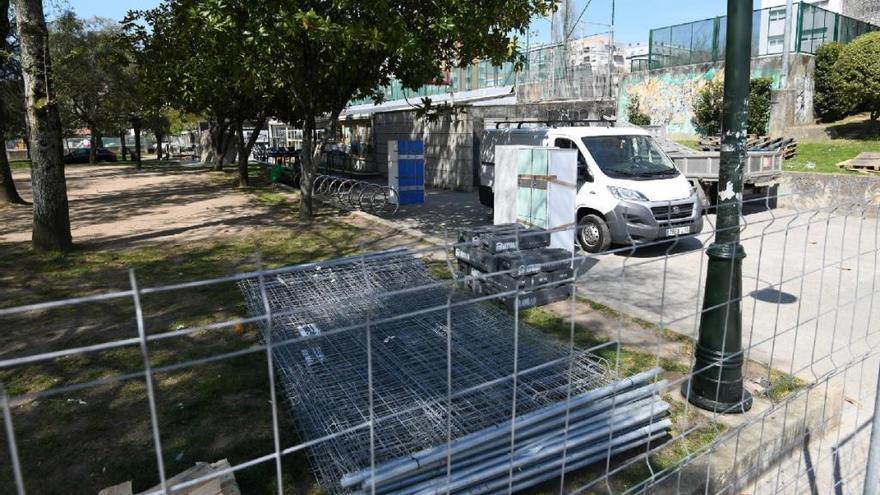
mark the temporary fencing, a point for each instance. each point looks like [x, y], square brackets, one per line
[398, 379]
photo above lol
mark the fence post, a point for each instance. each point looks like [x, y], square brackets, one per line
[716, 382]
[872, 471]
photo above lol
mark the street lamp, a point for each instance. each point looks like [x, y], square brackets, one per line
[716, 382]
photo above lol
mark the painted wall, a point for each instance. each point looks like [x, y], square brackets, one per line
[667, 95]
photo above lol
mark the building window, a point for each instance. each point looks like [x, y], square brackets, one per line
[775, 44]
[777, 14]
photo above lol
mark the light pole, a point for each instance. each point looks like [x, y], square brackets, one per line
[716, 383]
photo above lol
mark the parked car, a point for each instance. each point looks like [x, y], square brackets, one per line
[81, 155]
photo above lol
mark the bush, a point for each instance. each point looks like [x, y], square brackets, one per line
[707, 108]
[856, 75]
[759, 105]
[710, 102]
[634, 110]
[827, 102]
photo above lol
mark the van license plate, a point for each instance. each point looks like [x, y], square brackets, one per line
[678, 231]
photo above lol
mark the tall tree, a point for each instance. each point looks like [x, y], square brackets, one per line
[324, 54]
[51, 230]
[92, 78]
[219, 72]
[10, 99]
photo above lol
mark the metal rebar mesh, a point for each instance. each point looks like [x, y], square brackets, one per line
[325, 380]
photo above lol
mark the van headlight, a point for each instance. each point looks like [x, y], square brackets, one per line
[627, 194]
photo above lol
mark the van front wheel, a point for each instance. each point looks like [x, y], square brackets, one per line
[593, 234]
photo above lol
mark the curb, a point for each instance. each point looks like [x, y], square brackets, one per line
[743, 455]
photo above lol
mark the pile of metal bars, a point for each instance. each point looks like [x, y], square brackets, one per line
[385, 367]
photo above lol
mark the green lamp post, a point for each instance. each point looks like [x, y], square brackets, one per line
[717, 380]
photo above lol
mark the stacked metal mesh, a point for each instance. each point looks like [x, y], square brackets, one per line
[327, 379]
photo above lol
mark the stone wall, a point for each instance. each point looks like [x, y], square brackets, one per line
[806, 191]
[667, 95]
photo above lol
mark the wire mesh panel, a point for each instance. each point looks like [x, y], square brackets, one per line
[335, 381]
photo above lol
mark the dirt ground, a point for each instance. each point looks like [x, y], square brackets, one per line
[118, 206]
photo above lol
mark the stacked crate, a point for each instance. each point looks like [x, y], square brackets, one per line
[510, 257]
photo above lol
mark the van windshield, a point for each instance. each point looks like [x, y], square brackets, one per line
[629, 157]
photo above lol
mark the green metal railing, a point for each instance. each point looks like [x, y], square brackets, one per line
[703, 41]
[542, 63]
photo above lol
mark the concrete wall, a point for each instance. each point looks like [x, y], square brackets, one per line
[865, 10]
[804, 191]
[448, 145]
[452, 143]
[667, 95]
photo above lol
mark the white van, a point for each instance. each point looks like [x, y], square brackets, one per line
[629, 191]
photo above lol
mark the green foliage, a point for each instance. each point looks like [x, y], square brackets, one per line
[827, 102]
[12, 119]
[707, 108]
[857, 75]
[93, 85]
[759, 105]
[636, 115]
[709, 105]
[309, 59]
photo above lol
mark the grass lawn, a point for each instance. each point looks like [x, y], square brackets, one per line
[823, 156]
[819, 156]
[19, 164]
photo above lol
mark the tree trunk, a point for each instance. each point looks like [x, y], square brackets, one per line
[242, 155]
[244, 150]
[308, 169]
[217, 133]
[8, 192]
[51, 229]
[223, 143]
[122, 144]
[27, 145]
[94, 139]
[137, 145]
[159, 138]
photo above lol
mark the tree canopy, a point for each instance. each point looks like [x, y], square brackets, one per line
[857, 75]
[94, 87]
[301, 60]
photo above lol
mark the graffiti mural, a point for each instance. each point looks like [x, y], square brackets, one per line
[668, 95]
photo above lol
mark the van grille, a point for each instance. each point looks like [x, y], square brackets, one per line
[671, 213]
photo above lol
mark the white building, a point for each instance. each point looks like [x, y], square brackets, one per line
[772, 31]
[595, 51]
[636, 56]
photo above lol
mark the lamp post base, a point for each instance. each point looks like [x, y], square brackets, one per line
[736, 407]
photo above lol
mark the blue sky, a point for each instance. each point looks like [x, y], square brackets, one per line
[634, 18]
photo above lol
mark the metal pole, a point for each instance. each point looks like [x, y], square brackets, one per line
[786, 41]
[611, 53]
[716, 383]
[872, 471]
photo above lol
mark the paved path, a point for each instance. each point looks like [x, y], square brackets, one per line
[810, 307]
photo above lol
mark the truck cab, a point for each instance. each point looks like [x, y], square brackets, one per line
[629, 190]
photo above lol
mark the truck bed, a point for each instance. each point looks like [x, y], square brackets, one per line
[761, 166]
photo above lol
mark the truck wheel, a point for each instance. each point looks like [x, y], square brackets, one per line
[593, 234]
